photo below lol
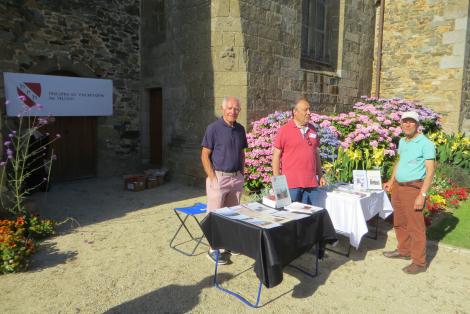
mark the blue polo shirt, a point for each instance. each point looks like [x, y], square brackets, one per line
[412, 156]
[227, 144]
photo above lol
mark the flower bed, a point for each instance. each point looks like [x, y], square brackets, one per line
[18, 241]
[364, 138]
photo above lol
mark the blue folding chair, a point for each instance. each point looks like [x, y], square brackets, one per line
[190, 211]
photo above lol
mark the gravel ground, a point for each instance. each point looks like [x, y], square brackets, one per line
[117, 260]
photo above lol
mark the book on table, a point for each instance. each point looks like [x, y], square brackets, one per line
[367, 180]
[281, 195]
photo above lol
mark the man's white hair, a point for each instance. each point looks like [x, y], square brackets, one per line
[226, 99]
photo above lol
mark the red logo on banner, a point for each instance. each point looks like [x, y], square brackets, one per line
[29, 93]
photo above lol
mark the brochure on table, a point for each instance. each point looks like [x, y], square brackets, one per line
[347, 190]
[259, 215]
[297, 207]
[367, 180]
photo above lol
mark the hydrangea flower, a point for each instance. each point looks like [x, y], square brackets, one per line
[373, 125]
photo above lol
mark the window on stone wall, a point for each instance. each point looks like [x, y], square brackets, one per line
[160, 22]
[320, 25]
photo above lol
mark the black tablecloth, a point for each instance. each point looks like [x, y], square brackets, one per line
[272, 249]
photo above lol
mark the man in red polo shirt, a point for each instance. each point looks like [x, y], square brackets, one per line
[296, 155]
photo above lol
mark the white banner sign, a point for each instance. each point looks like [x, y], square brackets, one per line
[57, 95]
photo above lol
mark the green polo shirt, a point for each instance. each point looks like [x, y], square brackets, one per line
[412, 156]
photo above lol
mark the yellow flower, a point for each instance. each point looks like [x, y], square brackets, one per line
[378, 156]
[466, 141]
[455, 146]
[432, 136]
[349, 153]
[327, 166]
[438, 199]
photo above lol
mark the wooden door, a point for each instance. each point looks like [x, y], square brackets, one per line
[155, 126]
[76, 148]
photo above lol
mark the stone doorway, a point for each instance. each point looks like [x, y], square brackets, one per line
[76, 150]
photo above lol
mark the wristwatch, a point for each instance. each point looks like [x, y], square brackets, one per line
[424, 194]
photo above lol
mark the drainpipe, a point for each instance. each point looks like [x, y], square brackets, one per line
[378, 68]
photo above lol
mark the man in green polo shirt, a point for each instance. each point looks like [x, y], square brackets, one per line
[411, 179]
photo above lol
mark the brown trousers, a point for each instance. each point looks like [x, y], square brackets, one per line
[408, 223]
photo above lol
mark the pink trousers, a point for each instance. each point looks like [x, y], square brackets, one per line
[227, 191]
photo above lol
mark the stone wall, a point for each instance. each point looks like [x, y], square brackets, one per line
[272, 45]
[181, 64]
[100, 41]
[465, 110]
[423, 54]
[245, 48]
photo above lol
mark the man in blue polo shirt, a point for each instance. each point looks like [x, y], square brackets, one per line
[223, 159]
[411, 179]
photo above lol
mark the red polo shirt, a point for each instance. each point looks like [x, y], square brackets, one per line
[298, 155]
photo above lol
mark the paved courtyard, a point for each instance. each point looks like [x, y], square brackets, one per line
[114, 257]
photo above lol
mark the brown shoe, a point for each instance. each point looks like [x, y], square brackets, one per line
[395, 254]
[414, 269]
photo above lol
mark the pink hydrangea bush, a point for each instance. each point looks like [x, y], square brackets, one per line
[371, 129]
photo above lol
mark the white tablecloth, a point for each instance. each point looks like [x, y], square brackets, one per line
[350, 214]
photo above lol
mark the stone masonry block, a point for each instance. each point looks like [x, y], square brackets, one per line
[222, 91]
[229, 24]
[230, 78]
[228, 39]
[454, 37]
[461, 23]
[216, 38]
[220, 8]
[457, 10]
[448, 62]
[458, 49]
[235, 8]
[353, 37]
[452, 85]
[239, 40]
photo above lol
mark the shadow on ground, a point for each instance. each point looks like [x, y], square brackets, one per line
[307, 285]
[442, 224]
[99, 199]
[332, 260]
[49, 256]
[169, 299]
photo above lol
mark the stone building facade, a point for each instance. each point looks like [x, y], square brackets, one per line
[426, 57]
[191, 54]
[99, 41]
[251, 49]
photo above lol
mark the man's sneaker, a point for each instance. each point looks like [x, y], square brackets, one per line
[223, 258]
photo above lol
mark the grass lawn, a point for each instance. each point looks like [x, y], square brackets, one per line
[453, 229]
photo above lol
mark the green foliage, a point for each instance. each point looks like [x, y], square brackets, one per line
[23, 159]
[448, 175]
[18, 241]
[440, 182]
[254, 185]
[15, 246]
[452, 228]
[452, 149]
[341, 169]
[40, 229]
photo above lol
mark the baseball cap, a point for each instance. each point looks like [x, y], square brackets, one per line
[410, 114]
